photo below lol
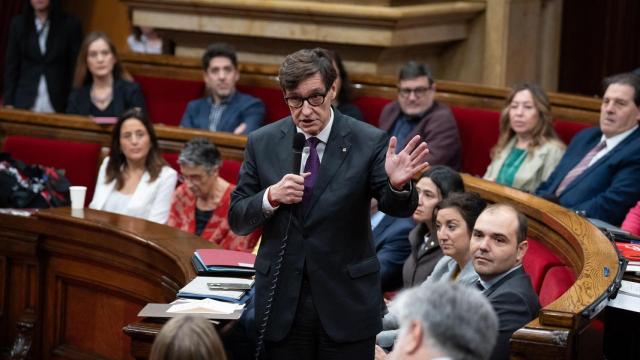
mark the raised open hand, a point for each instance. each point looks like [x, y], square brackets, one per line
[401, 167]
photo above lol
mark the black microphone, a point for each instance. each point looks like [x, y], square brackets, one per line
[298, 145]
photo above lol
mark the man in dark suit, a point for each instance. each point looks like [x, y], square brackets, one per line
[391, 240]
[225, 108]
[40, 58]
[416, 112]
[498, 245]
[316, 247]
[598, 175]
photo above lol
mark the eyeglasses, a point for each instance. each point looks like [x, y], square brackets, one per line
[419, 91]
[313, 100]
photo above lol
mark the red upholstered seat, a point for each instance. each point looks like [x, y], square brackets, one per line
[557, 280]
[172, 159]
[78, 160]
[567, 129]
[229, 170]
[479, 131]
[550, 277]
[272, 99]
[371, 107]
[166, 99]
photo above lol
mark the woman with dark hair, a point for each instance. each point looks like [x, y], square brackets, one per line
[454, 219]
[343, 99]
[528, 148]
[135, 180]
[40, 57]
[436, 184]
[200, 205]
[102, 86]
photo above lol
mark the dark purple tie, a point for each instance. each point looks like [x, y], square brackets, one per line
[312, 165]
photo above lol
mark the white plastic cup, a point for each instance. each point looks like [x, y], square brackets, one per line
[77, 196]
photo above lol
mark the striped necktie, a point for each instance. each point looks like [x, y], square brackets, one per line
[580, 168]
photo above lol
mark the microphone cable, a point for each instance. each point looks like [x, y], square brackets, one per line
[262, 327]
[297, 146]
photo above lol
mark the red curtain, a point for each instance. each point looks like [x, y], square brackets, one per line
[8, 9]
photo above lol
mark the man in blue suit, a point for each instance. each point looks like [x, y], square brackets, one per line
[225, 109]
[391, 240]
[600, 172]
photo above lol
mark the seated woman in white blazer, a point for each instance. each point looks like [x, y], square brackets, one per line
[135, 180]
[528, 148]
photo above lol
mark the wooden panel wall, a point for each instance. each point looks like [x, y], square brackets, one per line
[599, 38]
[109, 16]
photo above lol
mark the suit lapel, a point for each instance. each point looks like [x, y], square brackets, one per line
[603, 160]
[285, 150]
[494, 287]
[335, 152]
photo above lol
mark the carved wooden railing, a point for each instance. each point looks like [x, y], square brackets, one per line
[81, 128]
[563, 328]
[72, 281]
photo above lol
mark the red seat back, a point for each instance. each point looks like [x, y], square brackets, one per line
[371, 108]
[166, 99]
[229, 169]
[78, 160]
[567, 129]
[550, 277]
[479, 129]
[272, 99]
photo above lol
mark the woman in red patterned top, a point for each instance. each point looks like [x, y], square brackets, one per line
[201, 202]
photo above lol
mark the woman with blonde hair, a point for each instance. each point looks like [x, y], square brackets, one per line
[528, 148]
[102, 87]
[187, 337]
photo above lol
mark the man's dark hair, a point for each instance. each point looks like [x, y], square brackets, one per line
[305, 63]
[413, 69]
[219, 49]
[629, 79]
[523, 223]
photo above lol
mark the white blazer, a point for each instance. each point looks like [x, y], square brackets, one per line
[150, 201]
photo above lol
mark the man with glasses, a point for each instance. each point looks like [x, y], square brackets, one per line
[225, 108]
[417, 113]
[317, 276]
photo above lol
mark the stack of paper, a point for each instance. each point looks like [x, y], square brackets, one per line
[218, 262]
[220, 288]
[204, 306]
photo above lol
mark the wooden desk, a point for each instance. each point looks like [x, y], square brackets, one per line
[81, 279]
[563, 329]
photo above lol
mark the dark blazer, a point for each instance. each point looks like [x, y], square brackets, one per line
[126, 95]
[331, 241]
[241, 108]
[390, 238]
[25, 63]
[607, 189]
[516, 303]
[421, 262]
[437, 127]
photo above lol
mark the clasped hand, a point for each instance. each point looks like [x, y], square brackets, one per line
[403, 166]
[288, 190]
